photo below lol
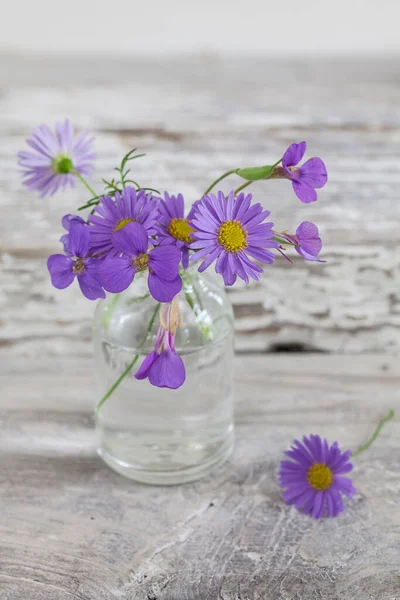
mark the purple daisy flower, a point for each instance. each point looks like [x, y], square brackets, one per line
[307, 178]
[55, 157]
[63, 269]
[313, 480]
[66, 222]
[163, 367]
[117, 272]
[114, 214]
[230, 230]
[307, 241]
[174, 228]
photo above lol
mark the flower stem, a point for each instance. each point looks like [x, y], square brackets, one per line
[131, 364]
[85, 183]
[244, 185]
[381, 423]
[231, 172]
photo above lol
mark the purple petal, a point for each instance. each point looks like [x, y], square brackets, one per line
[89, 282]
[318, 505]
[304, 498]
[68, 219]
[161, 290]
[131, 240]
[345, 485]
[242, 206]
[185, 257]
[60, 268]
[307, 256]
[116, 274]
[292, 494]
[79, 239]
[260, 254]
[314, 172]
[240, 269]
[146, 365]
[304, 191]
[164, 261]
[168, 370]
[229, 273]
[214, 253]
[303, 458]
[230, 203]
[307, 230]
[330, 506]
[294, 154]
[346, 468]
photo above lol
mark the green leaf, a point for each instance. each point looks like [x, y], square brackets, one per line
[256, 173]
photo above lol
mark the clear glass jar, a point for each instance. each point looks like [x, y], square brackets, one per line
[158, 435]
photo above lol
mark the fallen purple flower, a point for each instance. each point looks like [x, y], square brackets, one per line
[313, 479]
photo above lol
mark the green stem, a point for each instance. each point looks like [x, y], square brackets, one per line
[218, 180]
[85, 183]
[131, 364]
[381, 423]
[243, 186]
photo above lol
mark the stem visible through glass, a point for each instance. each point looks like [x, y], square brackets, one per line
[132, 363]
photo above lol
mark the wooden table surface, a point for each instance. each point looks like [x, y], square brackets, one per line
[69, 526]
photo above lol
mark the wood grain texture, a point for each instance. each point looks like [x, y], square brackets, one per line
[195, 119]
[71, 528]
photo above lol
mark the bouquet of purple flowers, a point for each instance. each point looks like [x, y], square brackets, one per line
[132, 229]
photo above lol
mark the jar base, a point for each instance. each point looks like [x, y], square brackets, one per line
[168, 473]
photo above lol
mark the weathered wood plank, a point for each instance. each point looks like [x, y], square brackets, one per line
[195, 119]
[71, 528]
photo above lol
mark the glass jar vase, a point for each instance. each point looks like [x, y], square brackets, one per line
[160, 435]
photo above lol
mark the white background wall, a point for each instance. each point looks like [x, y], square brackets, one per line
[145, 27]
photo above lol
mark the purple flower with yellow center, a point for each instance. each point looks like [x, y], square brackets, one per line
[114, 214]
[230, 231]
[55, 157]
[306, 179]
[313, 480]
[174, 228]
[77, 263]
[117, 272]
[307, 241]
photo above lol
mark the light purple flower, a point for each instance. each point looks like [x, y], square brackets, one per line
[230, 230]
[117, 272]
[114, 214]
[313, 479]
[307, 178]
[173, 227]
[163, 367]
[55, 155]
[66, 222]
[63, 269]
[307, 241]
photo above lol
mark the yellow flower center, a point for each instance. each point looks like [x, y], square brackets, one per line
[79, 266]
[232, 236]
[122, 224]
[180, 230]
[140, 262]
[319, 476]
